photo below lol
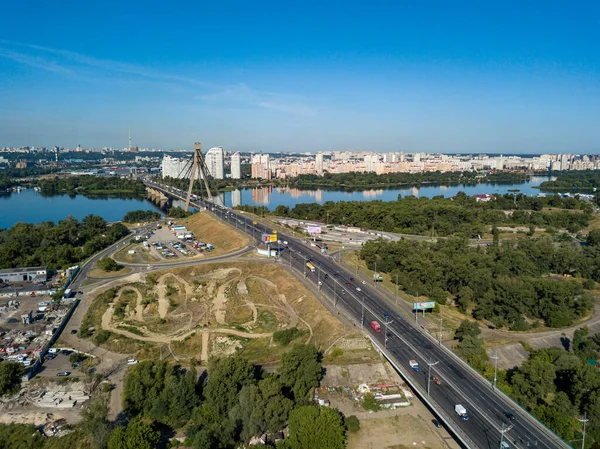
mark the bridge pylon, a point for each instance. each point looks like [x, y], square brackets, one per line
[200, 170]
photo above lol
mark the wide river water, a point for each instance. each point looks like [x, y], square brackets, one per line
[31, 207]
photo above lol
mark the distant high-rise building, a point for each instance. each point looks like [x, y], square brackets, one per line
[416, 158]
[214, 159]
[319, 163]
[261, 166]
[236, 165]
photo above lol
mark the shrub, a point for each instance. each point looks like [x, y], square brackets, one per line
[369, 402]
[102, 336]
[336, 352]
[286, 336]
[352, 424]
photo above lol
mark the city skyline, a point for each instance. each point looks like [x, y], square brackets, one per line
[509, 79]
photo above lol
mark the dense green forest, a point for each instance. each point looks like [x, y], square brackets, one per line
[373, 180]
[584, 180]
[56, 245]
[10, 177]
[462, 214]
[233, 403]
[95, 185]
[502, 284]
[136, 216]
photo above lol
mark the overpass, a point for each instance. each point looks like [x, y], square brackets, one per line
[404, 340]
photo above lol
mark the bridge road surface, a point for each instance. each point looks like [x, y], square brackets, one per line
[459, 383]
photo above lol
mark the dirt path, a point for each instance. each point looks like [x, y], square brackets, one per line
[161, 287]
[219, 304]
[137, 313]
[205, 339]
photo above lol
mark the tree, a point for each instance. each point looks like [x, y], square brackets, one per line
[226, 377]
[472, 350]
[95, 425]
[300, 370]
[533, 381]
[263, 407]
[107, 264]
[137, 435]
[467, 329]
[593, 238]
[316, 427]
[20, 436]
[10, 377]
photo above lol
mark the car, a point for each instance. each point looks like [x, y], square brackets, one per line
[53, 350]
[132, 362]
[436, 380]
[436, 423]
[358, 289]
[50, 356]
[509, 415]
[75, 364]
[73, 331]
[285, 242]
[347, 283]
[320, 283]
[351, 279]
[326, 275]
[63, 374]
[66, 352]
[364, 282]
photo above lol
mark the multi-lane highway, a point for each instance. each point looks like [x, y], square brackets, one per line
[459, 384]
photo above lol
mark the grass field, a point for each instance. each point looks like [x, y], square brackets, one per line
[225, 238]
[98, 273]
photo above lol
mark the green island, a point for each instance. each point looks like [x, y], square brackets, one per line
[92, 185]
[574, 181]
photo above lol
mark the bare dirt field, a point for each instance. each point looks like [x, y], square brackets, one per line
[212, 309]
[208, 229]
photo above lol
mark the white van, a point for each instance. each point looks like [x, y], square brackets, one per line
[53, 350]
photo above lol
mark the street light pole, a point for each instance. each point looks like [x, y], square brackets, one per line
[430, 364]
[385, 336]
[584, 420]
[440, 336]
[396, 288]
[362, 316]
[495, 357]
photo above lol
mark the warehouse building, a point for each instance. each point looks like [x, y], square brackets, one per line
[36, 274]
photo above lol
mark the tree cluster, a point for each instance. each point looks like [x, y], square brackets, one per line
[499, 283]
[577, 180]
[362, 180]
[461, 215]
[94, 185]
[558, 386]
[136, 216]
[57, 245]
[178, 212]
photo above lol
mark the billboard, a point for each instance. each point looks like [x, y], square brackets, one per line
[269, 238]
[423, 305]
[313, 229]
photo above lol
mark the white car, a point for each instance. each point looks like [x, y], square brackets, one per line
[53, 351]
[132, 362]
[320, 283]
[358, 289]
[364, 282]
[285, 242]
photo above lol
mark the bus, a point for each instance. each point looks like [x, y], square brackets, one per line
[310, 266]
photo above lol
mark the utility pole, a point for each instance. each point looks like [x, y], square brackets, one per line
[584, 420]
[396, 288]
[356, 271]
[385, 336]
[318, 279]
[495, 357]
[430, 364]
[362, 316]
[334, 288]
[440, 336]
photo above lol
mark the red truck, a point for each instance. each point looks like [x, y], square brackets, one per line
[375, 325]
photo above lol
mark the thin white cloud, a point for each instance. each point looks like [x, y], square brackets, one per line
[97, 70]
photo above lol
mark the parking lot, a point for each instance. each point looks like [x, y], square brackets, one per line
[56, 363]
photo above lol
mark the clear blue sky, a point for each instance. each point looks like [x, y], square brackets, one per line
[431, 76]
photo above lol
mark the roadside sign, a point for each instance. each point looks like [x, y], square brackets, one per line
[423, 305]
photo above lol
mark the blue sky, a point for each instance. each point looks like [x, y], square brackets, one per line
[511, 76]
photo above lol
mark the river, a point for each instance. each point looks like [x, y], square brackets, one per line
[31, 207]
[273, 197]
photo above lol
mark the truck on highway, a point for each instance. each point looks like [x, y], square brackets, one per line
[375, 325]
[414, 365]
[310, 266]
[461, 412]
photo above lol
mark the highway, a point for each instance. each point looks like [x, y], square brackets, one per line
[459, 383]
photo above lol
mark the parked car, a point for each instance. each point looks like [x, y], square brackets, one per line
[132, 362]
[66, 352]
[73, 331]
[53, 350]
[436, 423]
[63, 374]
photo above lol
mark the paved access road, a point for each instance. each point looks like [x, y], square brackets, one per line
[459, 383]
